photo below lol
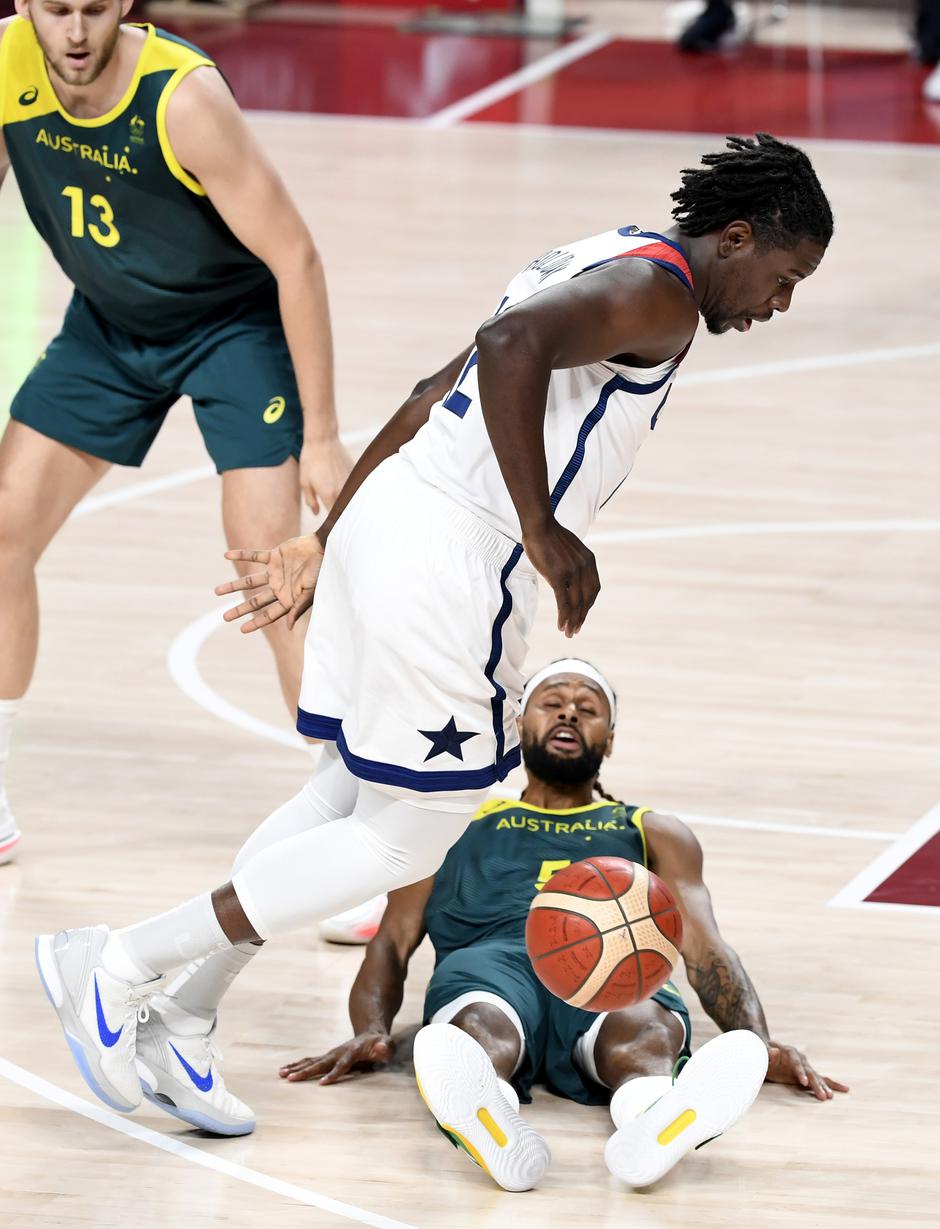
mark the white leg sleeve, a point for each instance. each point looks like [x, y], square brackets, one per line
[330, 794]
[386, 843]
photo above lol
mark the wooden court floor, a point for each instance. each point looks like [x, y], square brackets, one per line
[769, 617]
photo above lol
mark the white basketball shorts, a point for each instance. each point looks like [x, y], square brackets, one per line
[417, 639]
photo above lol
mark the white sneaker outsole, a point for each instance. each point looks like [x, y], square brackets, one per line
[459, 1086]
[712, 1091]
[8, 844]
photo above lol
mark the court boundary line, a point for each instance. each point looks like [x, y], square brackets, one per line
[644, 135]
[504, 87]
[852, 896]
[175, 1147]
[819, 362]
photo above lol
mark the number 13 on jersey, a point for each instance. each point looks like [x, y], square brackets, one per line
[103, 230]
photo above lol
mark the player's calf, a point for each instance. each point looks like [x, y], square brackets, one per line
[460, 1087]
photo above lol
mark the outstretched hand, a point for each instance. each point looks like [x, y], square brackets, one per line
[362, 1053]
[570, 569]
[789, 1066]
[285, 586]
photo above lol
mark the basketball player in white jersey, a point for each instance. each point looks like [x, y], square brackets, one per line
[491, 473]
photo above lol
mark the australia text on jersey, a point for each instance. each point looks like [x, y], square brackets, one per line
[531, 823]
[102, 155]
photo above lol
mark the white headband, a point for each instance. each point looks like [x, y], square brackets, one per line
[571, 665]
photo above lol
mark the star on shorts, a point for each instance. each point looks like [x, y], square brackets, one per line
[447, 741]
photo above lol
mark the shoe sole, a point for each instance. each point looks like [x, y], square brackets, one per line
[71, 1025]
[458, 1084]
[202, 1122]
[8, 848]
[714, 1089]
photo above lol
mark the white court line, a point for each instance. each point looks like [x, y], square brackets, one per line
[175, 1147]
[153, 486]
[760, 825]
[651, 136]
[762, 528]
[138, 490]
[182, 660]
[536, 71]
[852, 896]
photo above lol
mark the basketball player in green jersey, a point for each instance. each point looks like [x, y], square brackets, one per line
[194, 274]
[491, 1027]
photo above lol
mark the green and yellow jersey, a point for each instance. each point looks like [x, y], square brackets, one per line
[132, 230]
[508, 853]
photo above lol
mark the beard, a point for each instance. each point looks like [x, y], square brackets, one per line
[96, 65]
[558, 769]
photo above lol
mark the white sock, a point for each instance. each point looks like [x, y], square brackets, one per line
[190, 1001]
[509, 1093]
[148, 949]
[8, 709]
[636, 1095]
[192, 998]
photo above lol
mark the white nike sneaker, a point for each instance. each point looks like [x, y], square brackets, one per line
[9, 833]
[357, 925]
[97, 1011]
[712, 1091]
[459, 1086]
[182, 1074]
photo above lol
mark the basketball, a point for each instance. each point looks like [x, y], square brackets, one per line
[604, 934]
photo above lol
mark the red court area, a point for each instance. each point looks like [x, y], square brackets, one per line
[380, 70]
[916, 881]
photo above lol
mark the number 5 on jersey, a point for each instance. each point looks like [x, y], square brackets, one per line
[103, 231]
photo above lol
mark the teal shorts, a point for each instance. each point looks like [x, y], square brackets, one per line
[107, 392]
[552, 1028]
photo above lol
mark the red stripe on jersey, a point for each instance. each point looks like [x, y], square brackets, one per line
[662, 251]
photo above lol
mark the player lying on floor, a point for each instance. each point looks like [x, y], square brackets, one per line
[491, 1027]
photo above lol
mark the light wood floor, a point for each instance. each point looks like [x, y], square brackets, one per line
[778, 677]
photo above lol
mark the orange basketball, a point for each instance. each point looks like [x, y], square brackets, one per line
[604, 934]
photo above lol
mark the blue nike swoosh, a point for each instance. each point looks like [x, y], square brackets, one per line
[202, 1082]
[107, 1037]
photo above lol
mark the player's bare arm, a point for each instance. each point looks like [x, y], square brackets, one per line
[714, 968]
[377, 992]
[628, 308]
[212, 141]
[289, 577]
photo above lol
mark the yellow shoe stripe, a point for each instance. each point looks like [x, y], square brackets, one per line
[676, 1127]
[491, 1127]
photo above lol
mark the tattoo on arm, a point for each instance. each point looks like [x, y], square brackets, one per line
[726, 991]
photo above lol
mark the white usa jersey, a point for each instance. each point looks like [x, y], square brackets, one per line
[596, 416]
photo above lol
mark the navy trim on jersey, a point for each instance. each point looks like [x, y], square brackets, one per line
[590, 422]
[496, 651]
[457, 402]
[331, 728]
[316, 726]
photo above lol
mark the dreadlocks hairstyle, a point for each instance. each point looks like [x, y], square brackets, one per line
[599, 789]
[763, 181]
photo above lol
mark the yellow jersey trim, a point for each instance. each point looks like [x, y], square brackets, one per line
[98, 121]
[637, 820]
[171, 160]
[496, 804]
[25, 91]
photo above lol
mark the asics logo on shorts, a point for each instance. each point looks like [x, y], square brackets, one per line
[274, 410]
[108, 1038]
[202, 1082]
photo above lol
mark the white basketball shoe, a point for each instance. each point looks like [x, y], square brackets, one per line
[181, 1072]
[459, 1086]
[712, 1091]
[357, 925]
[9, 833]
[98, 1012]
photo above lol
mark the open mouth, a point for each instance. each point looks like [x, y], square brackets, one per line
[565, 741]
[78, 59]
